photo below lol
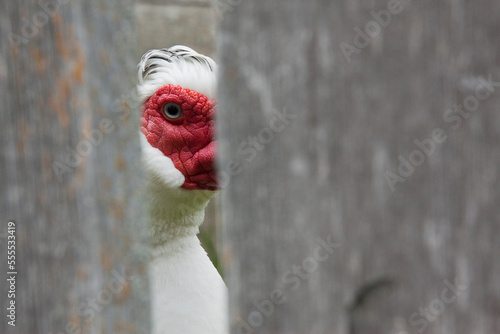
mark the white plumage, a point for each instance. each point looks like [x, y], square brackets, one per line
[188, 294]
[177, 65]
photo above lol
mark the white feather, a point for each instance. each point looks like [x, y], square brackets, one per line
[159, 166]
[188, 294]
[178, 65]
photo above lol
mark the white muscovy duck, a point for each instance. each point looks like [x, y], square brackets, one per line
[177, 87]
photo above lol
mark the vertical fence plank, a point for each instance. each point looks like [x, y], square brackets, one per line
[69, 174]
[359, 144]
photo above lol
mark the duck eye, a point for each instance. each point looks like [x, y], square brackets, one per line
[172, 111]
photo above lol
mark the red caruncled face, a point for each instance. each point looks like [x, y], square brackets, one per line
[179, 122]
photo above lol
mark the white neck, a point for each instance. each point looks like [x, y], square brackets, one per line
[188, 295]
[175, 213]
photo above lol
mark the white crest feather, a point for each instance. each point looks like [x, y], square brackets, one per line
[177, 65]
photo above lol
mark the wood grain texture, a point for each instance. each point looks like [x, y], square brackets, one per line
[69, 167]
[421, 256]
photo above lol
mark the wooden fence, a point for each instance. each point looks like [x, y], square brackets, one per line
[360, 140]
[359, 147]
[69, 168]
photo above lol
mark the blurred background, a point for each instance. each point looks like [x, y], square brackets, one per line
[366, 138]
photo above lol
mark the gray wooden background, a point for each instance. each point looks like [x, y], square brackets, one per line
[359, 154]
[356, 114]
[69, 169]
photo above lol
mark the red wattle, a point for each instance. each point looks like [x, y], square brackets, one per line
[187, 141]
